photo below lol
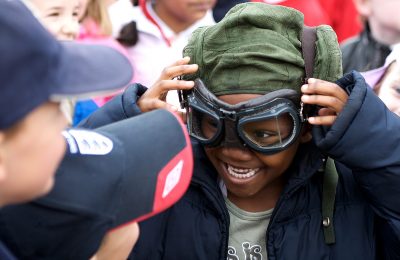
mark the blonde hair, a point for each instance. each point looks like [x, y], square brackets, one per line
[97, 10]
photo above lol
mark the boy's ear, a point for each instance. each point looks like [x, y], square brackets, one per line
[2, 157]
[306, 135]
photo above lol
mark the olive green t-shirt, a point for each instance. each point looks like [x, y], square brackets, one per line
[247, 231]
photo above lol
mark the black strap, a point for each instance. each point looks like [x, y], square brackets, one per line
[328, 200]
[308, 38]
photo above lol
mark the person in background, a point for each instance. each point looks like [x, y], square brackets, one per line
[60, 18]
[83, 21]
[163, 28]
[369, 49]
[95, 28]
[385, 81]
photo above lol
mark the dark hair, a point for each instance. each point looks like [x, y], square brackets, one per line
[128, 36]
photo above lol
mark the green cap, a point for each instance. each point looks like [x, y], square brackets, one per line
[256, 49]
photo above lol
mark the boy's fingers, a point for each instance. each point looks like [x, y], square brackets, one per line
[326, 112]
[182, 61]
[322, 120]
[324, 101]
[167, 85]
[152, 104]
[175, 71]
[321, 87]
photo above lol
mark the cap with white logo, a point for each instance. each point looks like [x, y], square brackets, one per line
[123, 172]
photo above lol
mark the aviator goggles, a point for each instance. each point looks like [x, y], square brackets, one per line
[267, 124]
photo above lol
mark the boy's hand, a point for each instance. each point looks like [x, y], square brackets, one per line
[329, 96]
[155, 96]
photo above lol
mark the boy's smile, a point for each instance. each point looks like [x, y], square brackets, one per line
[242, 173]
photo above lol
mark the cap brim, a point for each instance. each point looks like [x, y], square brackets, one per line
[129, 170]
[372, 77]
[89, 70]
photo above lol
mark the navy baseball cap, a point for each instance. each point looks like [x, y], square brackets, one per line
[123, 172]
[35, 67]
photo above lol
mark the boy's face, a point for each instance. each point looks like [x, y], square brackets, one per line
[30, 153]
[60, 17]
[249, 174]
[389, 90]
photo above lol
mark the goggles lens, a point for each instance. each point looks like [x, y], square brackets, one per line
[268, 133]
[203, 125]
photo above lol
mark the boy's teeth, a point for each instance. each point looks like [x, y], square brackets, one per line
[241, 173]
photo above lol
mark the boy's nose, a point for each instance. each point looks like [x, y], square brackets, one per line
[237, 154]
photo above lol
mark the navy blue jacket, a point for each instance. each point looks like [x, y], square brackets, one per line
[365, 144]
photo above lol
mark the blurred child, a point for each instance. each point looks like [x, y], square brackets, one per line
[381, 29]
[95, 28]
[163, 29]
[60, 17]
[385, 81]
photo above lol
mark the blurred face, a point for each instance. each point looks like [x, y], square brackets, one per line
[60, 17]
[389, 89]
[30, 153]
[253, 178]
[182, 13]
[383, 19]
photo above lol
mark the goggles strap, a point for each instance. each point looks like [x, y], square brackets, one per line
[308, 38]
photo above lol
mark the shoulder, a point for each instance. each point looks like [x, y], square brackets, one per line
[350, 44]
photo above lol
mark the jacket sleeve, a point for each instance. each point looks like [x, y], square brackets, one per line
[366, 138]
[121, 107]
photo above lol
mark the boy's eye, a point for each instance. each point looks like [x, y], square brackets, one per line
[210, 122]
[397, 89]
[262, 134]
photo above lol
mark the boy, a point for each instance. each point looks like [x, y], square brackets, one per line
[36, 74]
[257, 189]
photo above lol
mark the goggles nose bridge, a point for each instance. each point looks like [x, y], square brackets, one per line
[231, 138]
[230, 115]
